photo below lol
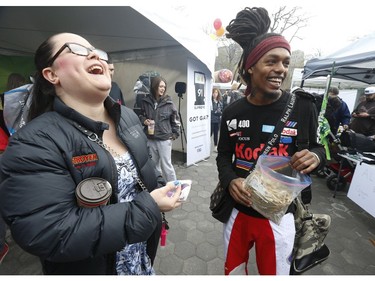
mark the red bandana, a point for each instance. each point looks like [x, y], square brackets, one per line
[264, 46]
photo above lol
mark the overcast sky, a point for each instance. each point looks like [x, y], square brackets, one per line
[331, 26]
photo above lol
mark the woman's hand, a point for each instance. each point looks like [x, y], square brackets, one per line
[304, 161]
[239, 193]
[167, 197]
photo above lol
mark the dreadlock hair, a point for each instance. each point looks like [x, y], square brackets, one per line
[249, 24]
[248, 29]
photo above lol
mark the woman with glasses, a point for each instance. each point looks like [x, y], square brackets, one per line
[79, 145]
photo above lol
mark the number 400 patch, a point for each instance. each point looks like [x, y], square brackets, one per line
[244, 124]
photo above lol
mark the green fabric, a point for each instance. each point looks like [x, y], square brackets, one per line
[15, 64]
[324, 128]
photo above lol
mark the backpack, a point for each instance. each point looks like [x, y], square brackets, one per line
[357, 142]
[16, 107]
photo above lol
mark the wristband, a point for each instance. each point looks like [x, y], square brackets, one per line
[316, 156]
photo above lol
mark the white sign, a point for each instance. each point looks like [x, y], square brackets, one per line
[199, 88]
[362, 187]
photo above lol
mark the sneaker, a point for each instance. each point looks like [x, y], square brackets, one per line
[4, 252]
[215, 149]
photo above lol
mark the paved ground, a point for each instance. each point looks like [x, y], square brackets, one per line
[194, 242]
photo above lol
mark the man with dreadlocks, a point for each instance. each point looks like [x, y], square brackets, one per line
[245, 128]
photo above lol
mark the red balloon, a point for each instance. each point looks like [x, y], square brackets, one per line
[217, 24]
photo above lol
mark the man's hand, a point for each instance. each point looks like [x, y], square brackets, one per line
[239, 193]
[304, 161]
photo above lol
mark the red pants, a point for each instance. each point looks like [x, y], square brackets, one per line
[273, 244]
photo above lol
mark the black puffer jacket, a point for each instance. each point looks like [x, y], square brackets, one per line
[40, 170]
[167, 121]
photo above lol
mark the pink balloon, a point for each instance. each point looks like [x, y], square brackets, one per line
[217, 24]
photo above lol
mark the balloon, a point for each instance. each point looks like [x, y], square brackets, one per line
[217, 24]
[223, 76]
[213, 36]
[220, 32]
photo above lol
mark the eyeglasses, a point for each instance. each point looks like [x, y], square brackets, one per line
[79, 50]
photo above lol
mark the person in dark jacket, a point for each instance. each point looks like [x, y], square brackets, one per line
[14, 81]
[246, 127]
[162, 125]
[363, 116]
[341, 113]
[216, 112]
[115, 92]
[77, 134]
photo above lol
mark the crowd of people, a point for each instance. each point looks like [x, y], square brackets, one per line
[79, 129]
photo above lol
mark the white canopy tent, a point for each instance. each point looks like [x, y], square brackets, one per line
[113, 28]
[321, 81]
[140, 38]
[351, 67]
[354, 62]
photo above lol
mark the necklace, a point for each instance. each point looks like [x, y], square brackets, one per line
[94, 137]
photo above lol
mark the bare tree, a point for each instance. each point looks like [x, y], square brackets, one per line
[288, 21]
[316, 54]
[285, 21]
[229, 54]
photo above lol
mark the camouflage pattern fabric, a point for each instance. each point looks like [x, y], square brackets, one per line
[311, 230]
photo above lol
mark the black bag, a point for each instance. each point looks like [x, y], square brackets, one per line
[311, 230]
[356, 141]
[221, 204]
